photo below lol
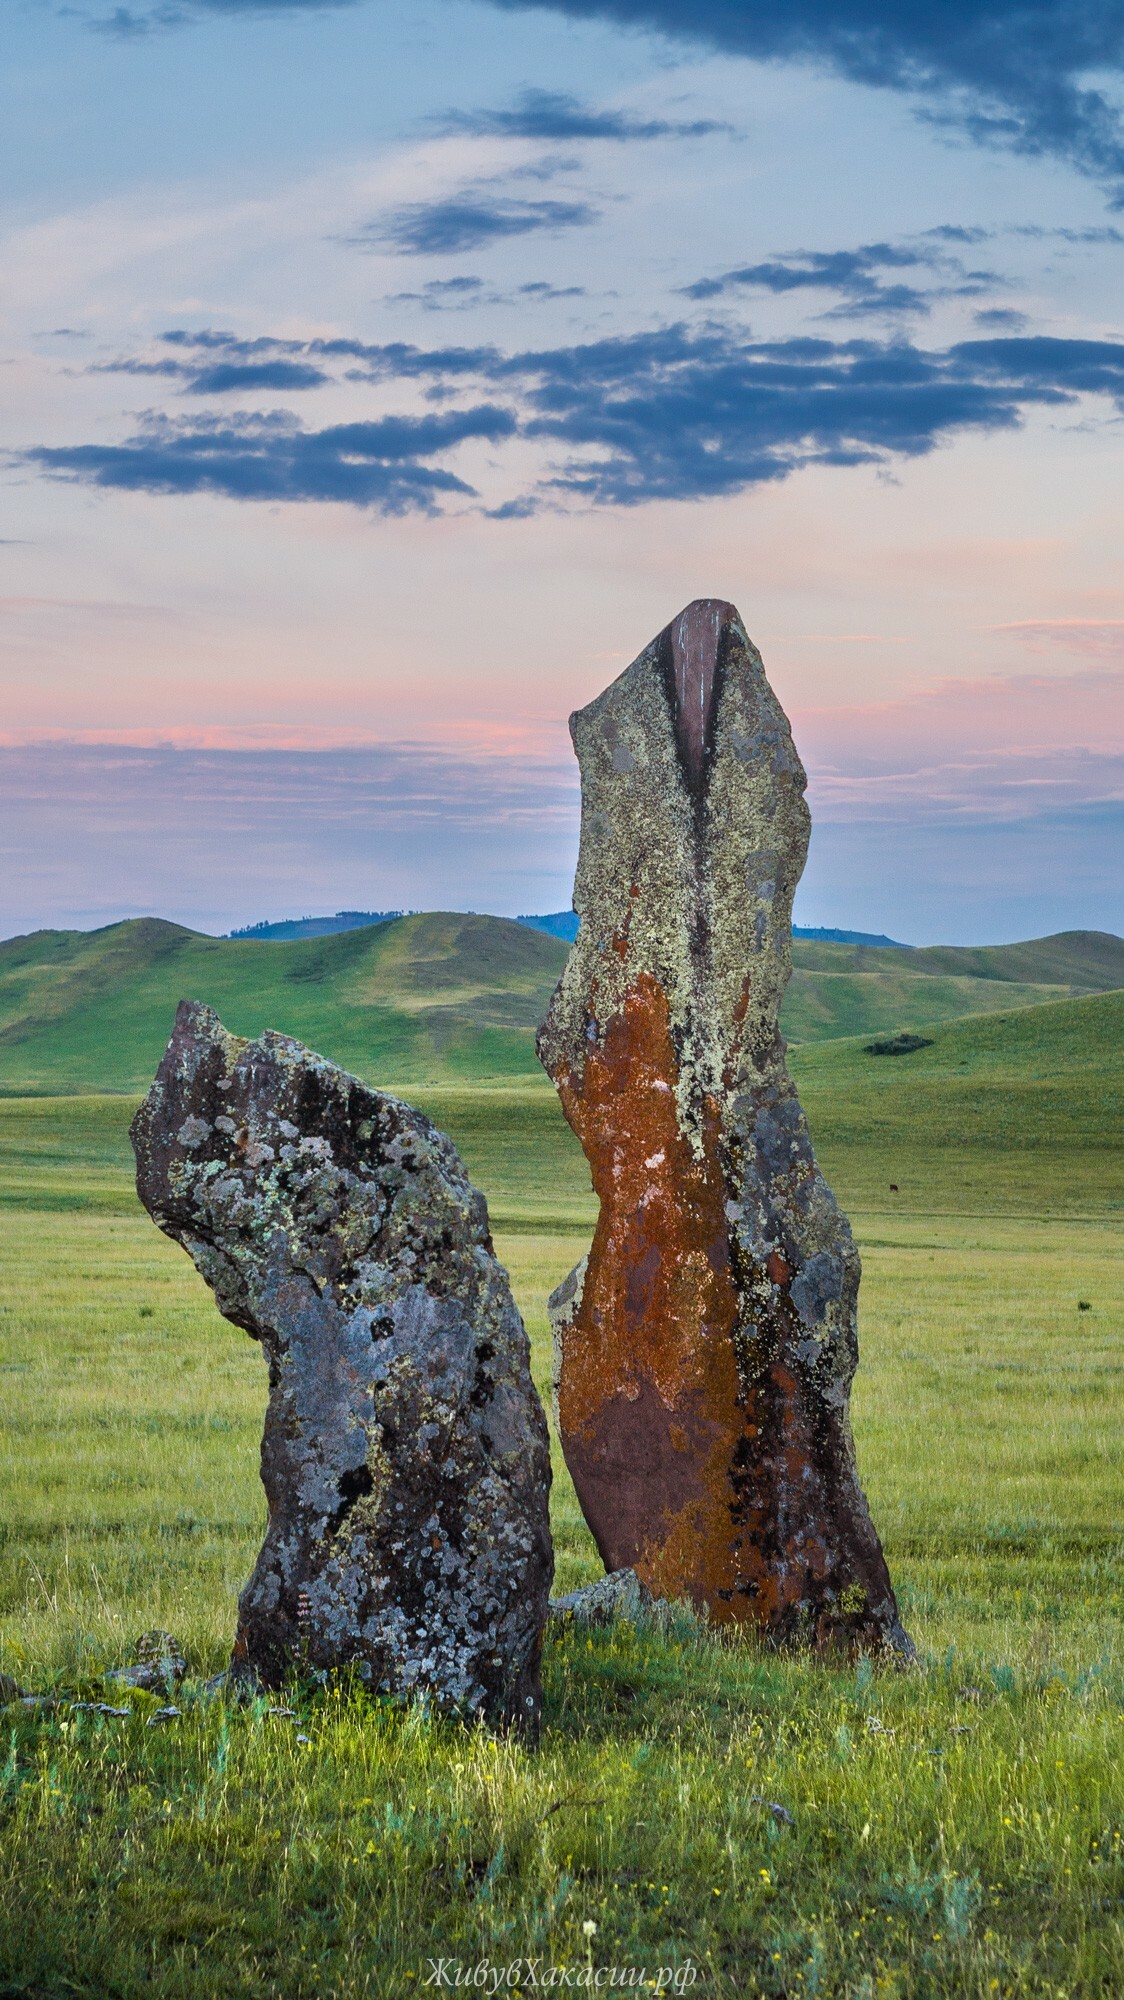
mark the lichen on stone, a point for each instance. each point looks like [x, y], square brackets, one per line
[704, 1354]
[405, 1457]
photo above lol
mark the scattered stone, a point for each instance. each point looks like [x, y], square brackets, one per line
[159, 1667]
[780, 1813]
[168, 1714]
[11, 1691]
[224, 1683]
[99, 1708]
[619, 1595]
[705, 1350]
[405, 1456]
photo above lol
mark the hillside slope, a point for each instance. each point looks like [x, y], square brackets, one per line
[1019, 1109]
[442, 997]
[1021, 1113]
[422, 999]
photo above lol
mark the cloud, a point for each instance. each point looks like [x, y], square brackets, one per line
[855, 276]
[676, 414]
[218, 837]
[127, 24]
[463, 222]
[552, 114]
[1096, 638]
[1000, 319]
[460, 294]
[673, 413]
[378, 465]
[442, 295]
[214, 838]
[1018, 74]
[223, 377]
[1010, 73]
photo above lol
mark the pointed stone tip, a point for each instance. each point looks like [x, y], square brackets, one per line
[695, 642]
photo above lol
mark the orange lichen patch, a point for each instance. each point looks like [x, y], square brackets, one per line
[711, 1488]
[649, 1382]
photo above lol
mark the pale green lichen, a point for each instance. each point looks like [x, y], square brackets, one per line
[405, 1455]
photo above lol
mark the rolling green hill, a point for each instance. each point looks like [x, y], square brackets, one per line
[443, 997]
[417, 1000]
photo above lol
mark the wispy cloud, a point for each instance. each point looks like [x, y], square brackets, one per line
[461, 294]
[1096, 638]
[856, 277]
[554, 115]
[454, 224]
[215, 838]
[220, 378]
[1000, 319]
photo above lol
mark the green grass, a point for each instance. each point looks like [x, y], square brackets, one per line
[441, 998]
[971, 1844]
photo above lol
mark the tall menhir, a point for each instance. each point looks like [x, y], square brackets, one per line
[704, 1351]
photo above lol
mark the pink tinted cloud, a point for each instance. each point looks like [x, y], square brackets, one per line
[999, 713]
[1095, 638]
[988, 748]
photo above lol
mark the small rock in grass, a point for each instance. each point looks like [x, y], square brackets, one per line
[780, 1813]
[11, 1691]
[159, 1666]
[618, 1595]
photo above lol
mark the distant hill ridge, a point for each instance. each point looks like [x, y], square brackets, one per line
[298, 927]
[564, 924]
[446, 996]
[559, 924]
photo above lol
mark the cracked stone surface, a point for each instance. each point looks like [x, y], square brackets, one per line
[704, 1350]
[405, 1457]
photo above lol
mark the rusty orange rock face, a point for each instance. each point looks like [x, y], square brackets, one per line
[704, 1351]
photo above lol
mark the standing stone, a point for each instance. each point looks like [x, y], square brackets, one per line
[405, 1457]
[704, 1351]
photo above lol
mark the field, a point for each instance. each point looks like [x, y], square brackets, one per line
[700, 1813]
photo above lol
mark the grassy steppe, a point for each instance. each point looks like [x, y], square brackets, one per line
[957, 1829]
[443, 996]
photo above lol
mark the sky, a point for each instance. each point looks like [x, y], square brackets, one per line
[375, 382]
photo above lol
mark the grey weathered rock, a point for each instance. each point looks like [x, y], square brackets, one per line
[618, 1595]
[159, 1666]
[405, 1456]
[705, 1350]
